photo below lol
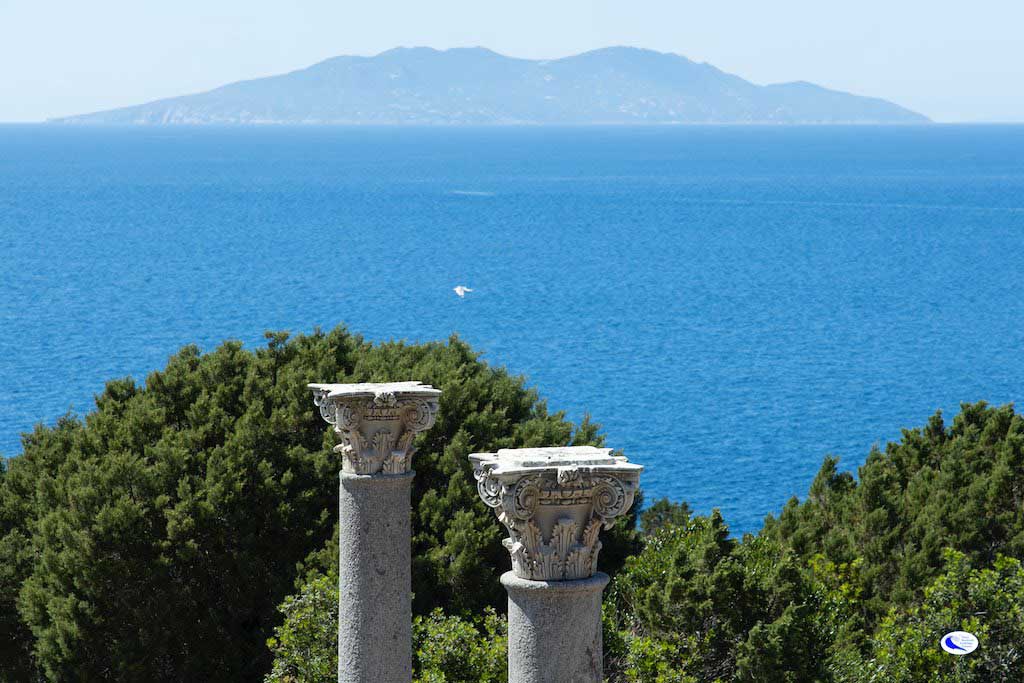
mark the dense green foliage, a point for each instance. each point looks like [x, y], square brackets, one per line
[305, 644]
[960, 487]
[160, 538]
[155, 539]
[697, 605]
[847, 586]
[446, 649]
[986, 602]
[454, 650]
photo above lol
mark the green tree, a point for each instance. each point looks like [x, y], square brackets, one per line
[166, 528]
[15, 560]
[698, 605]
[960, 487]
[155, 539]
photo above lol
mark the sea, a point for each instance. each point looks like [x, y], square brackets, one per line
[730, 303]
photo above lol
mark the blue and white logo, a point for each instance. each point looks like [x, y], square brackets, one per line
[959, 643]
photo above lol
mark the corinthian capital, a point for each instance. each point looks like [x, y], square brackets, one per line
[554, 502]
[377, 422]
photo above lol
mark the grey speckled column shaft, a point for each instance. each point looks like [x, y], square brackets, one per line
[554, 630]
[375, 579]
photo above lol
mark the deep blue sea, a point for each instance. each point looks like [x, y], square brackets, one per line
[731, 303]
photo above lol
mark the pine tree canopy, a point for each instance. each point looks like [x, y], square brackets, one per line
[155, 538]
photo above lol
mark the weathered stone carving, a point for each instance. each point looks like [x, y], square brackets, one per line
[377, 422]
[554, 502]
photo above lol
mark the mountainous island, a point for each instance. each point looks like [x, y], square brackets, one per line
[618, 85]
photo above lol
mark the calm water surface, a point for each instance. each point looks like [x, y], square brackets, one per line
[731, 303]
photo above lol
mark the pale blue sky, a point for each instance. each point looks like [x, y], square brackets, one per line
[953, 61]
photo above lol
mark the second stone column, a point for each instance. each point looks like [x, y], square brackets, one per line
[376, 423]
[554, 503]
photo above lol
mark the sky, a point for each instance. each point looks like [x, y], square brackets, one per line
[952, 61]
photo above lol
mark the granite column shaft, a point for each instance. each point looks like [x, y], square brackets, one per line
[554, 630]
[374, 578]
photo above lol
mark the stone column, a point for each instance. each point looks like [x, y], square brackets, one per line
[376, 423]
[554, 503]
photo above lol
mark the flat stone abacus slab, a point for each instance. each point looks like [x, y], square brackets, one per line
[374, 389]
[511, 461]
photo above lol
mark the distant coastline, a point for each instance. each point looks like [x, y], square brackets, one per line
[423, 86]
[77, 121]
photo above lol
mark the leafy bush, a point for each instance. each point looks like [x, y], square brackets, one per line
[305, 646]
[455, 650]
[986, 602]
[446, 649]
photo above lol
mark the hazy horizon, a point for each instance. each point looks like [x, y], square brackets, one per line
[948, 64]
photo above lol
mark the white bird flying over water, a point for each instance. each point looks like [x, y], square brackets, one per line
[461, 290]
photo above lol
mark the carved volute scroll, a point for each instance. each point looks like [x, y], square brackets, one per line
[377, 422]
[554, 502]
